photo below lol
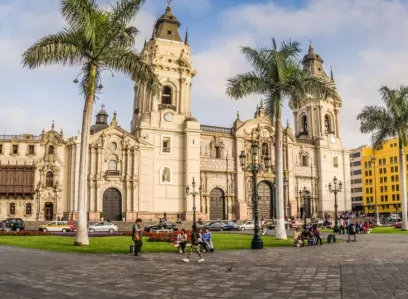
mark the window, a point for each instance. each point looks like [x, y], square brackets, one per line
[166, 95]
[49, 179]
[335, 161]
[396, 187]
[381, 170]
[380, 162]
[382, 198]
[51, 150]
[398, 197]
[381, 189]
[392, 178]
[31, 149]
[395, 159]
[113, 146]
[385, 188]
[396, 168]
[396, 178]
[304, 160]
[15, 149]
[365, 164]
[304, 124]
[356, 155]
[357, 181]
[357, 163]
[327, 123]
[218, 152]
[381, 180]
[393, 197]
[28, 209]
[166, 145]
[386, 197]
[367, 190]
[384, 162]
[265, 150]
[356, 172]
[113, 165]
[392, 188]
[391, 160]
[12, 208]
[384, 170]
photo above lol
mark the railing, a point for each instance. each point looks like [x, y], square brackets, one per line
[166, 150]
[20, 137]
[167, 106]
[112, 172]
[216, 129]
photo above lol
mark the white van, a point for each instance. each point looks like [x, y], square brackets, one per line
[394, 217]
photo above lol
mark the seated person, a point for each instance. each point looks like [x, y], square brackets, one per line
[207, 241]
[182, 240]
[317, 235]
[297, 237]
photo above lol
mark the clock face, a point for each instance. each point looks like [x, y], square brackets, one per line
[168, 116]
[332, 139]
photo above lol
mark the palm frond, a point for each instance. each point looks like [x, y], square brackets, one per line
[78, 12]
[125, 10]
[270, 104]
[129, 63]
[61, 48]
[258, 58]
[244, 84]
[290, 50]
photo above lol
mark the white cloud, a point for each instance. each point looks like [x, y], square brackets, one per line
[365, 40]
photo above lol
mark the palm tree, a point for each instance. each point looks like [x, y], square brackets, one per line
[386, 122]
[278, 75]
[94, 40]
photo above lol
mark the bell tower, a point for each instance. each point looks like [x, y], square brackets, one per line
[316, 118]
[170, 58]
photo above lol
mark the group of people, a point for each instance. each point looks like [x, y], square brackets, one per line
[200, 241]
[358, 226]
[311, 234]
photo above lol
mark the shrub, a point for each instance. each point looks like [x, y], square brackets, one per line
[24, 233]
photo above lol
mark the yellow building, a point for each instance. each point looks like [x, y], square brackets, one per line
[381, 178]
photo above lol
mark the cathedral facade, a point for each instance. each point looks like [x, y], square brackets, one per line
[144, 172]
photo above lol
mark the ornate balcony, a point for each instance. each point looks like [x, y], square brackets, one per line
[216, 129]
[167, 106]
[112, 172]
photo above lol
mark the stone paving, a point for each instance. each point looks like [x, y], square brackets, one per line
[376, 266]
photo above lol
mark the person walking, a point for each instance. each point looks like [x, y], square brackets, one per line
[341, 230]
[194, 245]
[137, 235]
[351, 232]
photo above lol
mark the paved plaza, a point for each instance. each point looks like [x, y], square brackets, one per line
[376, 266]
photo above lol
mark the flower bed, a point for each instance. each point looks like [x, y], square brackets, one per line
[23, 233]
[166, 237]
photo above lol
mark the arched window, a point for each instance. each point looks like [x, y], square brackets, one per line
[113, 165]
[265, 149]
[167, 95]
[28, 209]
[327, 123]
[51, 150]
[49, 179]
[304, 124]
[12, 208]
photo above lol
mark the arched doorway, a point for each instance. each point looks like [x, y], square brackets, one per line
[217, 204]
[48, 211]
[266, 205]
[112, 205]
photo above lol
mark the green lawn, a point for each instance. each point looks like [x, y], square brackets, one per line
[388, 230]
[121, 244]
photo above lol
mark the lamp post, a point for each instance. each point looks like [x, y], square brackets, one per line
[255, 167]
[194, 194]
[377, 216]
[335, 188]
[286, 197]
[304, 195]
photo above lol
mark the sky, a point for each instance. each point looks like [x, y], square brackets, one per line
[365, 41]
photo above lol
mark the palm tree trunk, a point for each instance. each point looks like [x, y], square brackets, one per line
[280, 225]
[82, 230]
[404, 225]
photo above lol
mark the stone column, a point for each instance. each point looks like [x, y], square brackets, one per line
[320, 121]
[337, 123]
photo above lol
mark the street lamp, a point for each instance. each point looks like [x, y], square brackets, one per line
[377, 216]
[286, 197]
[255, 167]
[194, 194]
[335, 189]
[305, 195]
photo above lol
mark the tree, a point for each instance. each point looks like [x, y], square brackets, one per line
[278, 75]
[95, 40]
[386, 122]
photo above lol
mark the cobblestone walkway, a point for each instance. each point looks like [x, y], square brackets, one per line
[376, 266]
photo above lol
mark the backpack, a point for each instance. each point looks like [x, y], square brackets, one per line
[352, 229]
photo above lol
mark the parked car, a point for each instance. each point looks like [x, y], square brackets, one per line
[103, 226]
[163, 225]
[296, 223]
[16, 224]
[247, 225]
[271, 224]
[394, 218]
[58, 226]
[229, 225]
[216, 226]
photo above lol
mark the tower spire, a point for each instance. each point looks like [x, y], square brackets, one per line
[186, 37]
[331, 73]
